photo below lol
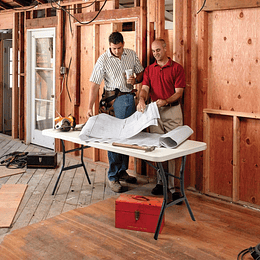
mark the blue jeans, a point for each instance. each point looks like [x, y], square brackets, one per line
[124, 106]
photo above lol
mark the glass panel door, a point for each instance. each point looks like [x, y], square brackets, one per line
[43, 86]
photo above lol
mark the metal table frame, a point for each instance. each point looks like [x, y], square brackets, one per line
[63, 168]
[165, 203]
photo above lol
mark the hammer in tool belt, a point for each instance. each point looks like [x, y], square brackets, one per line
[144, 148]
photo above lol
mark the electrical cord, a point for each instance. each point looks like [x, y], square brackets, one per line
[74, 8]
[15, 160]
[35, 4]
[254, 251]
[202, 6]
[65, 10]
[67, 80]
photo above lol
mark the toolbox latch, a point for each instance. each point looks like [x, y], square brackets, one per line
[137, 215]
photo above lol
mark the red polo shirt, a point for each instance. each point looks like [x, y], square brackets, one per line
[163, 80]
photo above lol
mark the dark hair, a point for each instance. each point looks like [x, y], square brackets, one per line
[116, 37]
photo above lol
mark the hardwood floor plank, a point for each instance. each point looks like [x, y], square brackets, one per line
[62, 192]
[42, 198]
[86, 188]
[32, 198]
[90, 232]
[74, 191]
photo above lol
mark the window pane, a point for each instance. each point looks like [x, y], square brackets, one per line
[43, 84]
[44, 52]
[43, 115]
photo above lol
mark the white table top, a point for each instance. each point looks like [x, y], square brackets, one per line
[157, 155]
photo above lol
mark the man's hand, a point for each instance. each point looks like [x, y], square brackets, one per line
[141, 105]
[142, 97]
[89, 113]
[131, 80]
[161, 102]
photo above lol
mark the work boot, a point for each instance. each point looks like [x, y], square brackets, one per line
[175, 196]
[124, 176]
[115, 186]
[157, 190]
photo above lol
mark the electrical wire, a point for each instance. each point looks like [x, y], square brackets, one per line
[242, 253]
[35, 4]
[67, 80]
[202, 6]
[74, 8]
[65, 10]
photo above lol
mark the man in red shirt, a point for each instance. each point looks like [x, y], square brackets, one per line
[164, 81]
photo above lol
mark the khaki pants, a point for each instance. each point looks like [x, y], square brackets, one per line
[170, 118]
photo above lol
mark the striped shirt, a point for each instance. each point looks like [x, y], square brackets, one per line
[112, 70]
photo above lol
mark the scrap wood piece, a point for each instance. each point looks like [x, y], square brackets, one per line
[10, 198]
[4, 172]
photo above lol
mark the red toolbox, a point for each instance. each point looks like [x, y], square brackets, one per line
[136, 212]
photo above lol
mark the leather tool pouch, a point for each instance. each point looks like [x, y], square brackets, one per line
[107, 100]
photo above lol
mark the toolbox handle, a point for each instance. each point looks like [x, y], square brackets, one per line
[138, 197]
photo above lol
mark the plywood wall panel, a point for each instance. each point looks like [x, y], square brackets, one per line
[234, 64]
[6, 21]
[221, 155]
[250, 161]
[129, 38]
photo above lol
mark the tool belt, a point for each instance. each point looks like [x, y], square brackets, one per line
[108, 99]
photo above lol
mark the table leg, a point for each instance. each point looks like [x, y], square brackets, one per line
[63, 168]
[165, 204]
[183, 162]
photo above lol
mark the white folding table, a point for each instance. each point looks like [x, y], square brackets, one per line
[159, 155]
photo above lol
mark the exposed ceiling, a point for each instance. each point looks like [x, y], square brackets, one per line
[12, 4]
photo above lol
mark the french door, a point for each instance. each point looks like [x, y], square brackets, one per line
[42, 85]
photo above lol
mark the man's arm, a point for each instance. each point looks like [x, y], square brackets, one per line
[93, 93]
[143, 96]
[176, 96]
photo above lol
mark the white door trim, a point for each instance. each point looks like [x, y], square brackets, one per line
[29, 78]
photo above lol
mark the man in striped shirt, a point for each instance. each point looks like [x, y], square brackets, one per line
[111, 67]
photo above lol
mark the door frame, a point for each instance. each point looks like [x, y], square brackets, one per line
[29, 80]
[7, 69]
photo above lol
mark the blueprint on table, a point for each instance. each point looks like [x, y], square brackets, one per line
[108, 127]
[104, 128]
[170, 140]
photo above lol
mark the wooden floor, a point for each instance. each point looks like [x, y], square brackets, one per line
[72, 192]
[78, 222]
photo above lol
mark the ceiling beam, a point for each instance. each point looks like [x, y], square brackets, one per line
[5, 6]
[22, 2]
